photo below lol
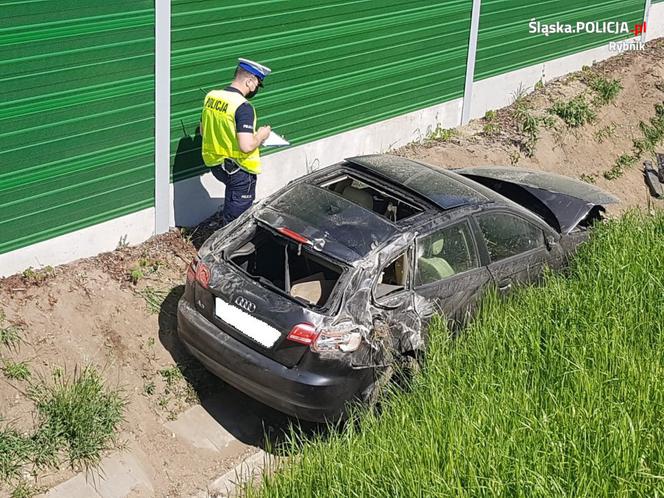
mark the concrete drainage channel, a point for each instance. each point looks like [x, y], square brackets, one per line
[128, 473]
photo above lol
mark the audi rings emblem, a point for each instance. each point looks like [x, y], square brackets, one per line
[245, 304]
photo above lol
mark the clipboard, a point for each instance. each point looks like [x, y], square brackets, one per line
[275, 140]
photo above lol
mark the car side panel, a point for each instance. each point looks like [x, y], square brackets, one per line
[456, 297]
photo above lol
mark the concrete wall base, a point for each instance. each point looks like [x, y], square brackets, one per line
[130, 229]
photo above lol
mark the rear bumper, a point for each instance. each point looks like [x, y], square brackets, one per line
[301, 393]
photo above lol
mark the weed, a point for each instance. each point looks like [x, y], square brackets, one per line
[144, 267]
[441, 134]
[605, 90]
[135, 275]
[527, 124]
[618, 168]
[79, 414]
[16, 370]
[37, 277]
[491, 127]
[186, 234]
[24, 490]
[575, 112]
[588, 178]
[515, 157]
[122, 243]
[539, 85]
[605, 133]
[171, 375]
[15, 453]
[519, 95]
[154, 298]
[10, 335]
[177, 389]
[653, 136]
[149, 388]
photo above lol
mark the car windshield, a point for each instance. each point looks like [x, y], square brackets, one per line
[348, 230]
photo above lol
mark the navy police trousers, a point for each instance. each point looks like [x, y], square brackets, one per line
[240, 191]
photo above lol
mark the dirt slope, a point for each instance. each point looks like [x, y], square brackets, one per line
[585, 152]
[91, 313]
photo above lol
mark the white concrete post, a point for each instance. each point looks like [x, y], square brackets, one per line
[162, 115]
[470, 63]
[645, 20]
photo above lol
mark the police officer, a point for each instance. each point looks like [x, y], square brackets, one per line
[230, 138]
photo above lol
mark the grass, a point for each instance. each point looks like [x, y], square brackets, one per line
[16, 370]
[441, 134]
[10, 335]
[575, 112]
[77, 419]
[557, 391]
[491, 126]
[154, 298]
[78, 414]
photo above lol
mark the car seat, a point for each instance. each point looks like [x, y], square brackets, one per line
[359, 197]
[435, 267]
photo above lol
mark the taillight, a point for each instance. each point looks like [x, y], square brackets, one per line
[337, 340]
[304, 333]
[191, 271]
[203, 274]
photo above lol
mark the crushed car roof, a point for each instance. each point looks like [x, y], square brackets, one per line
[443, 188]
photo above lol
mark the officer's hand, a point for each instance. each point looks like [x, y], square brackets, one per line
[263, 132]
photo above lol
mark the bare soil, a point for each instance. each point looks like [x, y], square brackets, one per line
[90, 312]
[583, 153]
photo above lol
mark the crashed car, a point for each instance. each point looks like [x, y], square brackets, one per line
[308, 298]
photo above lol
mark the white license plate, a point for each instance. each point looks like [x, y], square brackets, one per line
[249, 325]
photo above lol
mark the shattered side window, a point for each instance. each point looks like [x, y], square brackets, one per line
[445, 253]
[507, 235]
[393, 278]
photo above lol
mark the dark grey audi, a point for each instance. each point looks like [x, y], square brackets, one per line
[321, 289]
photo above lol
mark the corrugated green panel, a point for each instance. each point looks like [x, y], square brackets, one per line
[76, 115]
[505, 43]
[337, 65]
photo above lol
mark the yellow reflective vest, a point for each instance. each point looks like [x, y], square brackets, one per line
[220, 134]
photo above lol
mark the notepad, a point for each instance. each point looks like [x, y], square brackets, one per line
[275, 140]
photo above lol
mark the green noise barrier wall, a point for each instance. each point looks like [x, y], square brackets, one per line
[76, 115]
[505, 42]
[337, 65]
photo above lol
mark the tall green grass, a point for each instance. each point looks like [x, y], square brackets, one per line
[558, 391]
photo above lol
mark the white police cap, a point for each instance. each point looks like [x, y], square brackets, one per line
[254, 68]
